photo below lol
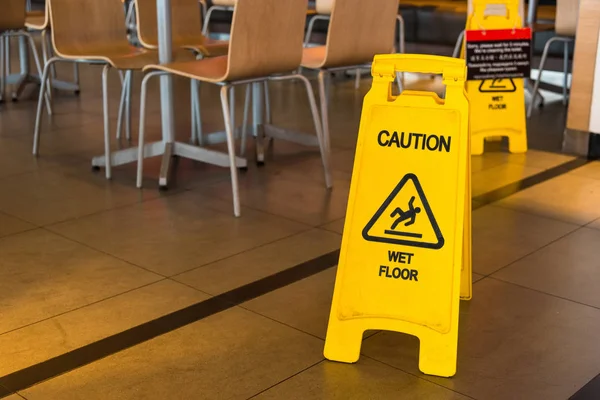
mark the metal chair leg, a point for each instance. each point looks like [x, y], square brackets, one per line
[566, 72]
[267, 103]
[142, 125]
[128, 89]
[207, 21]
[106, 121]
[244, 133]
[194, 130]
[38, 66]
[231, 151]
[122, 101]
[2, 72]
[322, 135]
[401, 40]
[232, 108]
[76, 77]
[536, 86]
[323, 78]
[41, 99]
[458, 45]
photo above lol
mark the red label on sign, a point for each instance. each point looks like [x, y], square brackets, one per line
[498, 53]
[499, 34]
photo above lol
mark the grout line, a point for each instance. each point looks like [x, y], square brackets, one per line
[420, 377]
[532, 252]
[84, 306]
[542, 292]
[286, 379]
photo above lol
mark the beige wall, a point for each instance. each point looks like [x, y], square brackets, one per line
[584, 63]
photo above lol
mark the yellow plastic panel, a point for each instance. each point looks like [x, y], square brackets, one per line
[402, 251]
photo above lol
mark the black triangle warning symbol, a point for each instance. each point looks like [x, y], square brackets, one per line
[497, 85]
[405, 218]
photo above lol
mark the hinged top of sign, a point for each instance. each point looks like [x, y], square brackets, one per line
[452, 69]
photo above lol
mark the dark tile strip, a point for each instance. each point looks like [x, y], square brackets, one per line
[108, 346]
[591, 391]
[4, 392]
[77, 358]
[526, 183]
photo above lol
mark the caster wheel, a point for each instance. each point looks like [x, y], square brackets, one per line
[95, 168]
[15, 99]
[541, 105]
[243, 169]
[260, 163]
[163, 188]
[77, 92]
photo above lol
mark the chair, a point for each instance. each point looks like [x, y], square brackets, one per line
[567, 13]
[217, 5]
[357, 32]
[257, 52]
[12, 24]
[323, 10]
[187, 28]
[187, 39]
[39, 21]
[92, 32]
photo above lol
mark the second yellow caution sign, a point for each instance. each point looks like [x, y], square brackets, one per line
[401, 256]
[497, 104]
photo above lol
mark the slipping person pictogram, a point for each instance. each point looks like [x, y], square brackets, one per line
[405, 228]
[409, 215]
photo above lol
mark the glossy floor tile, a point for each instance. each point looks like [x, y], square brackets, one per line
[304, 305]
[502, 175]
[568, 268]
[515, 343]
[46, 197]
[231, 355]
[249, 266]
[11, 225]
[58, 335]
[502, 236]
[367, 379]
[297, 199]
[177, 233]
[569, 198]
[44, 274]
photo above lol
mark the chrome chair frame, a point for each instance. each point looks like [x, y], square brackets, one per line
[566, 41]
[226, 110]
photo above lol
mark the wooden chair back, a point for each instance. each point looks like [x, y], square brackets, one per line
[224, 3]
[360, 29]
[12, 15]
[81, 27]
[567, 15]
[185, 22]
[266, 38]
[324, 6]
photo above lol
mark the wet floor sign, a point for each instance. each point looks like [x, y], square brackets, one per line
[497, 104]
[402, 251]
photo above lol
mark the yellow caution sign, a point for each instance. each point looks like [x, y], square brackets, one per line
[402, 251]
[497, 105]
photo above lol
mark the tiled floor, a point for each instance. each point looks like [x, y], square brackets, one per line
[83, 259]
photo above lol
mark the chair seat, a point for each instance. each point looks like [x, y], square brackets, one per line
[36, 20]
[119, 57]
[208, 47]
[212, 69]
[314, 57]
